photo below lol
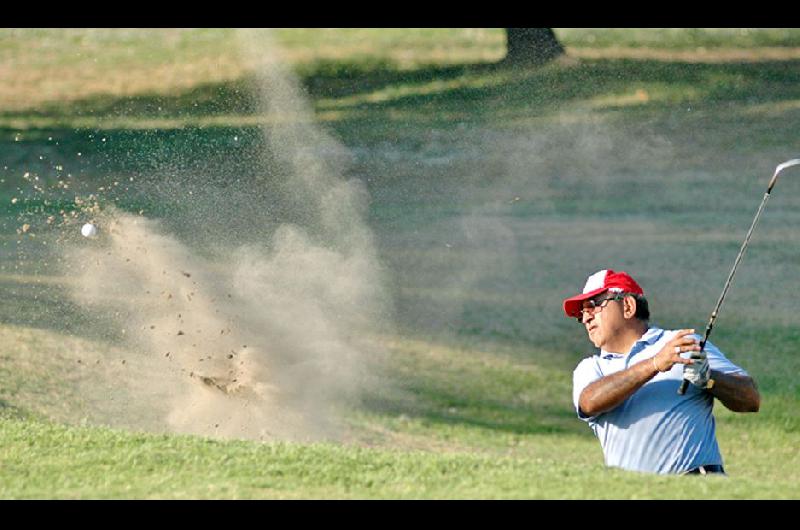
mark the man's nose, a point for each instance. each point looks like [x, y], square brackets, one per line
[587, 316]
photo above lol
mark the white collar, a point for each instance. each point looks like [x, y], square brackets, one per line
[650, 337]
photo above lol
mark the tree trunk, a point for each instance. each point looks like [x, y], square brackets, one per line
[532, 46]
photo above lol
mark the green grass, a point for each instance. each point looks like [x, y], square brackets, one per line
[70, 65]
[45, 460]
[493, 193]
[677, 38]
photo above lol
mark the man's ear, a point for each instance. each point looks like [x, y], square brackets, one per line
[629, 307]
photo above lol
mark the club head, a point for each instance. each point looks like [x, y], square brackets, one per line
[781, 167]
[788, 163]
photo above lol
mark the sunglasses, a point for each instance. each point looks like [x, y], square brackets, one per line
[594, 306]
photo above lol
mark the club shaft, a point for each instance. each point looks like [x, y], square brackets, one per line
[709, 327]
[729, 281]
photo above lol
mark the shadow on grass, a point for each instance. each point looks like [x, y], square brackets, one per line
[431, 402]
[25, 308]
[378, 90]
[479, 385]
[11, 412]
[217, 125]
[215, 128]
[240, 97]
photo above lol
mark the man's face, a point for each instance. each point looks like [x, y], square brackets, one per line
[603, 317]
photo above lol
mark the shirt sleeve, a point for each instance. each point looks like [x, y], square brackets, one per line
[716, 359]
[585, 374]
[719, 363]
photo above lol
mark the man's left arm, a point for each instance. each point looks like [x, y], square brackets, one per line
[732, 385]
[736, 391]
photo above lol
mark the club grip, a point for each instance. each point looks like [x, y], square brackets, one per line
[683, 387]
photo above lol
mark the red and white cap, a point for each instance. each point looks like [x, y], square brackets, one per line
[600, 282]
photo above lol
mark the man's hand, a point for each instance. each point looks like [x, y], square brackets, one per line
[670, 354]
[697, 373]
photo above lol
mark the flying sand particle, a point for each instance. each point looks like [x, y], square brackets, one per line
[188, 418]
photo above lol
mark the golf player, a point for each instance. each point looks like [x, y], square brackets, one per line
[628, 391]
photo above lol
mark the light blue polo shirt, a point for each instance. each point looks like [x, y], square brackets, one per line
[655, 430]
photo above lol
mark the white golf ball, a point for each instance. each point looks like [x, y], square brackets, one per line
[89, 230]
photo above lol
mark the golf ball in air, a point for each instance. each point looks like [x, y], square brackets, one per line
[89, 230]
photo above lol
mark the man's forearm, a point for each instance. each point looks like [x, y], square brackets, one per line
[737, 392]
[608, 392]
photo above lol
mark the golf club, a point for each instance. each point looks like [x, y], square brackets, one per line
[781, 167]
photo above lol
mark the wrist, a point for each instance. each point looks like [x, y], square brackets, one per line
[710, 381]
[655, 364]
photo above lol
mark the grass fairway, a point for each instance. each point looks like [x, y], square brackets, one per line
[493, 193]
[47, 460]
